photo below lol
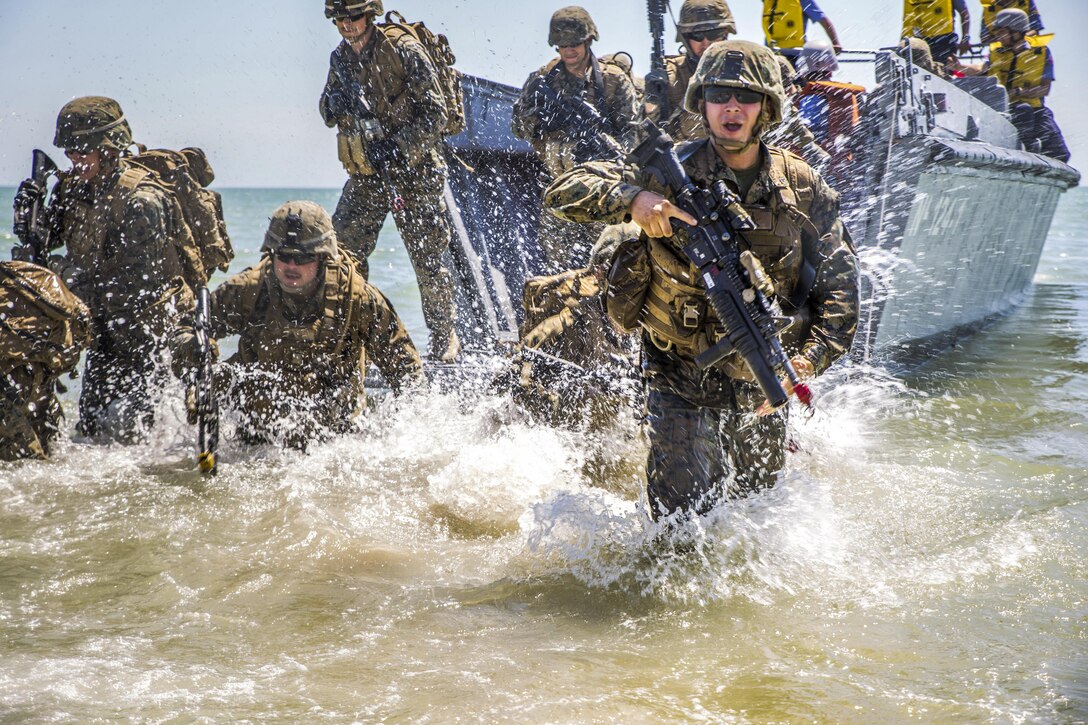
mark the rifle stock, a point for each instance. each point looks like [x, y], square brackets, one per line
[750, 319]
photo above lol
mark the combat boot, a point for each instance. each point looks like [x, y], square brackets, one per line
[445, 352]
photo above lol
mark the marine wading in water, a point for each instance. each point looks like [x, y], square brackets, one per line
[733, 281]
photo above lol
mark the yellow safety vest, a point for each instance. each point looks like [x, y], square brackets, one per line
[927, 18]
[1018, 68]
[784, 23]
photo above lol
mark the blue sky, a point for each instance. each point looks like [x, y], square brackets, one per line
[241, 78]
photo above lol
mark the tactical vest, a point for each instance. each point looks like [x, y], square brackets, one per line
[927, 18]
[87, 226]
[990, 11]
[1019, 68]
[676, 314]
[784, 23]
[386, 84]
[312, 359]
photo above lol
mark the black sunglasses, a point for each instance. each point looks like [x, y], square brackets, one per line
[295, 258]
[349, 18]
[716, 34]
[720, 94]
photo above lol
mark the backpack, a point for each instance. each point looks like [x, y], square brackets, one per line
[438, 50]
[186, 175]
[41, 321]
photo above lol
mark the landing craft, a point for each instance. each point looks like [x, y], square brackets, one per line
[948, 214]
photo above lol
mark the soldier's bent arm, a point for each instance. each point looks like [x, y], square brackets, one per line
[598, 191]
[835, 297]
[332, 86]
[388, 344]
[425, 118]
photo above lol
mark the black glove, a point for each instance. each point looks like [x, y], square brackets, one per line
[337, 104]
[30, 193]
[382, 152]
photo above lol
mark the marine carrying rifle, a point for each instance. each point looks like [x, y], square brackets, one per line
[207, 407]
[29, 225]
[576, 116]
[363, 121]
[657, 80]
[751, 320]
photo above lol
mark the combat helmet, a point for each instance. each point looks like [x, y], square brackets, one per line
[92, 122]
[1012, 19]
[571, 26]
[739, 64]
[702, 15]
[301, 226]
[344, 8]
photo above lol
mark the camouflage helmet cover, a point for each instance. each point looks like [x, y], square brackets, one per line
[702, 15]
[1013, 19]
[739, 64]
[789, 73]
[92, 122]
[344, 8]
[302, 226]
[571, 26]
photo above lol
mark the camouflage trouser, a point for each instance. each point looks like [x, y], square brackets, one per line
[115, 401]
[424, 224]
[30, 413]
[694, 449]
[566, 244]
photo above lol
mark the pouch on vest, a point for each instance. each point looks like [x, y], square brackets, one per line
[352, 155]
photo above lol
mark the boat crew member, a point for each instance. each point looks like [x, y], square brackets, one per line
[785, 25]
[560, 136]
[933, 21]
[308, 323]
[701, 23]
[1023, 64]
[123, 235]
[991, 9]
[704, 440]
[43, 330]
[383, 94]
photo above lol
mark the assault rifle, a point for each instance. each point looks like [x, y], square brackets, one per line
[363, 121]
[576, 116]
[207, 408]
[734, 286]
[30, 226]
[657, 80]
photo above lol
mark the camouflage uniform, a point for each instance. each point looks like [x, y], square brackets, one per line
[303, 355]
[608, 88]
[696, 16]
[121, 232]
[701, 426]
[401, 84]
[43, 329]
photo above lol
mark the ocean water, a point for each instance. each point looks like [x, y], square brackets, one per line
[923, 559]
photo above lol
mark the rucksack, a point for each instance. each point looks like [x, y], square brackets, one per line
[438, 50]
[186, 175]
[41, 321]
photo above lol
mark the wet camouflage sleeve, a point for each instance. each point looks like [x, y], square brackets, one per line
[526, 117]
[623, 111]
[332, 85]
[387, 342]
[421, 115]
[598, 191]
[835, 296]
[226, 305]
